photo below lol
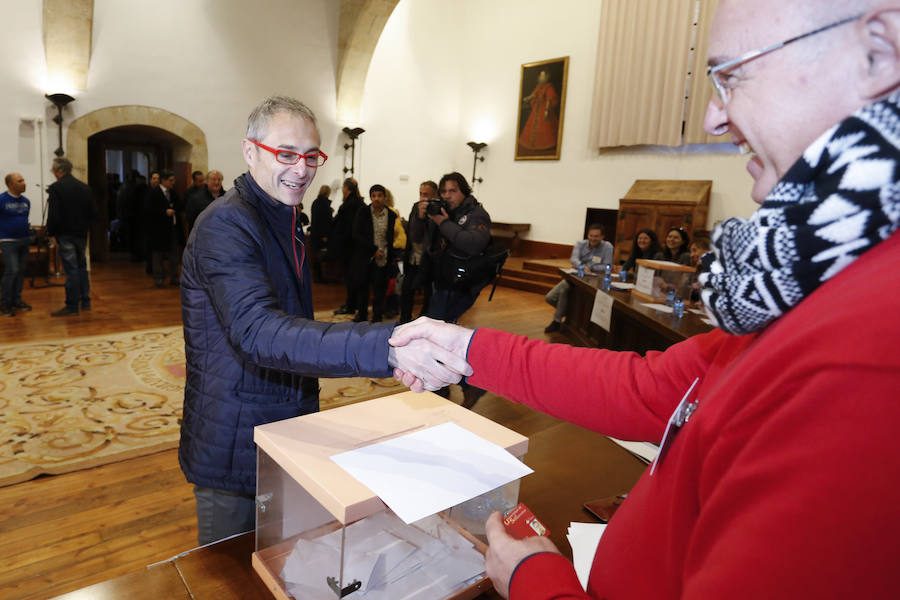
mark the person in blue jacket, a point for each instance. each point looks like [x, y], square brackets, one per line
[15, 235]
[253, 351]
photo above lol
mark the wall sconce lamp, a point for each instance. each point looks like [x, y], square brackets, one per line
[476, 148]
[352, 134]
[59, 101]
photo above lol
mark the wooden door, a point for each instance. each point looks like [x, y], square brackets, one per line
[632, 218]
[674, 215]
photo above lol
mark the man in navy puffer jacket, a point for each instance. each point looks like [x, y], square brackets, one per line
[253, 351]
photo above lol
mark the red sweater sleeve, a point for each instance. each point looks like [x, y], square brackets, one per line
[546, 575]
[621, 394]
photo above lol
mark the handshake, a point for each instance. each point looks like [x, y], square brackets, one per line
[427, 354]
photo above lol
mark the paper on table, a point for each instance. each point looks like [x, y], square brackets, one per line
[621, 286]
[698, 311]
[428, 471]
[601, 314]
[645, 451]
[659, 307]
[583, 538]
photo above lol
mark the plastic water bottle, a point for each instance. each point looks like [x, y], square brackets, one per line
[608, 270]
[581, 271]
[670, 298]
[678, 308]
[606, 283]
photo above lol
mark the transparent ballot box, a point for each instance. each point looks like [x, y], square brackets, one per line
[321, 534]
[656, 278]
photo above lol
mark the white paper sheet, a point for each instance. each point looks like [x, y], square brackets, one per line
[583, 538]
[602, 311]
[660, 307]
[698, 311]
[391, 560]
[619, 285]
[428, 471]
[645, 451]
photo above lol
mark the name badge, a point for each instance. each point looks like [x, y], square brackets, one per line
[682, 415]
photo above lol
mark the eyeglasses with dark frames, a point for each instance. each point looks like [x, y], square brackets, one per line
[719, 73]
[289, 157]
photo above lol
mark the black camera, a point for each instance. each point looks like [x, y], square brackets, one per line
[434, 207]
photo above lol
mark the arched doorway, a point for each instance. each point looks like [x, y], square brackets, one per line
[181, 147]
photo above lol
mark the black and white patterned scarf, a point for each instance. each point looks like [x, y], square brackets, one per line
[840, 199]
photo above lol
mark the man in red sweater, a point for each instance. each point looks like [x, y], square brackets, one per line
[780, 477]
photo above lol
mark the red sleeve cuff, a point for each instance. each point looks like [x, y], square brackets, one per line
[483, 348]
[545, 575]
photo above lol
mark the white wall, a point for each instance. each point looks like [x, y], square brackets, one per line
[23, 71]
[443, 73]
[434, 52]
[209, 61]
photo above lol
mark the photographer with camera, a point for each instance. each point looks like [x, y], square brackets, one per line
[455, 231]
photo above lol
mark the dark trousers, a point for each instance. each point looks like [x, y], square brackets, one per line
[173, 256]
[15, 254]
[415, 277]
[378, 280]
[448, 304]
[221, 514]
[74, 264]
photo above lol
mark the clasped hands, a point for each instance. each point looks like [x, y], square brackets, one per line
[428, 355]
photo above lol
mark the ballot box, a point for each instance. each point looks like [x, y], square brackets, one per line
[655, 278]
[322, 534]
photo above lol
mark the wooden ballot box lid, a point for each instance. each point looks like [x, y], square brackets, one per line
[302, 445]
[665, 265]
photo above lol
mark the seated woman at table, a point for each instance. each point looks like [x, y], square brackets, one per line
[676, 247]
[645, 245]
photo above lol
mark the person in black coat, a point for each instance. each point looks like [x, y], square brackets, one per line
[319, 230]
[340, 246]
[71, 208]
[372, 261]
[165, 229]
[416, 261]
[197, 199]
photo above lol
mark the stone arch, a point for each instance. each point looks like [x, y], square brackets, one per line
[361, 24]
[116, 116]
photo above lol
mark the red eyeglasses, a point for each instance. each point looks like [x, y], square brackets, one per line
[287, 157]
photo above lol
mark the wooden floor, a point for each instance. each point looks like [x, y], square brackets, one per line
[63, 532]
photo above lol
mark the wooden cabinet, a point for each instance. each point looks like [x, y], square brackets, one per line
[660, 204]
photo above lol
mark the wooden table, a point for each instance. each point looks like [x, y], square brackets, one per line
[572, 465]
[633, 326]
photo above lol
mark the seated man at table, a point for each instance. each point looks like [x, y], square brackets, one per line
[790, 409]
[593, 254]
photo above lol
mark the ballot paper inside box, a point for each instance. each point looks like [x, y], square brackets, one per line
[321, 534]
[655, 278]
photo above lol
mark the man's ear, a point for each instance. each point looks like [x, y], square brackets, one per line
[247, 149]
[880, 33]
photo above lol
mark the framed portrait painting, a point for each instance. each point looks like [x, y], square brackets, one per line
[542, 104]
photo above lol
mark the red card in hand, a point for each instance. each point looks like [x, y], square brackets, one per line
[520, 523]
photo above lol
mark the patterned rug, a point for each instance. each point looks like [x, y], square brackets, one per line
[78, 403]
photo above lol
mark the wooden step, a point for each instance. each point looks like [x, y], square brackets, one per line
[539, 276]
[527, 285]
[546, 265]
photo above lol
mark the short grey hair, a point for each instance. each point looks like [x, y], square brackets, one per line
[258, 121]
[63, 165]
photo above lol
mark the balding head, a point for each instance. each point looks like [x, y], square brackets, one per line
[15, 183]
[780, 102]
